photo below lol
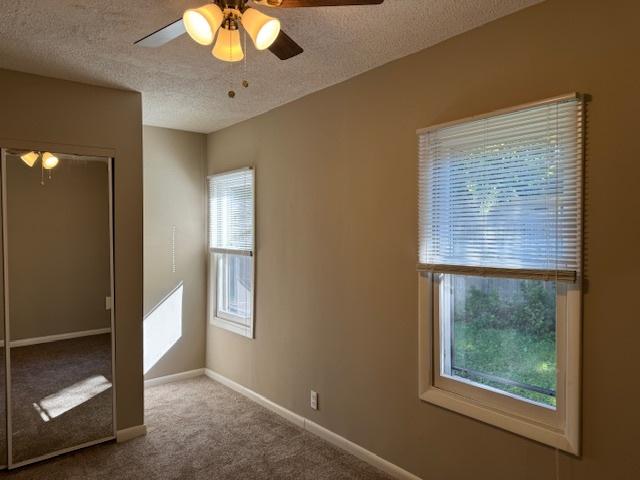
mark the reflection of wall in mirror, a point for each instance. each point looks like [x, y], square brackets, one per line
[58, 237]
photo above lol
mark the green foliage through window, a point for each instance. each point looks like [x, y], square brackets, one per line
[503, 335]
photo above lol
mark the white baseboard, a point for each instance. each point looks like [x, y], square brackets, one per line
[173, 378]
[360, 452]
[54, 338]
[130, 433]
[331, 437]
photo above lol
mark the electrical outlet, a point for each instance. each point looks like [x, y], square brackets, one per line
[314, 400]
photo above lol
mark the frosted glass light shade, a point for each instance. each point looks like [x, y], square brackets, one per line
[262, 28]
[228, 47]
[202, 23]
[49, 160]
[29, 158]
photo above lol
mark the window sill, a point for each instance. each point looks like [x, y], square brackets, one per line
[518, 425]
[233, 327]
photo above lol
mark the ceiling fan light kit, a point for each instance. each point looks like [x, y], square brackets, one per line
[262, 28]
[202, 23]
[228, 47]
[49, 160]
[224, 19]
[30, 158]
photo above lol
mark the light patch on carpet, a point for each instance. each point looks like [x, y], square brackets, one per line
[162, 327]
[56, 404]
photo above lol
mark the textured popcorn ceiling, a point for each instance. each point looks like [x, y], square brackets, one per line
[184, 87]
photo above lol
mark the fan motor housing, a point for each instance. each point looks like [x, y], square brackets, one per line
[240, 5]
[269, 3]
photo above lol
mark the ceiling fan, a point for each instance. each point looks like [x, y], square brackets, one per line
[227, 16]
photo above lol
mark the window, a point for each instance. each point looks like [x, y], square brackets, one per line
[232, 250]
[499, 259]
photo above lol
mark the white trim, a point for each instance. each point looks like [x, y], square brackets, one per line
[175, 377]
[565, 434]
[57, 453]
[360, 452]
[112, 298]
[235, 327]
[23, 342]
[130, 433]
[7, 328]
[312, 427]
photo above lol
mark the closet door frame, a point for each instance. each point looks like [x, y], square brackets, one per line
[105, 154]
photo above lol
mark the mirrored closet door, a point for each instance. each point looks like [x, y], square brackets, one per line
[58, 302]
[3, 382]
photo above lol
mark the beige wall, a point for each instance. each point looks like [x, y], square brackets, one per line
[174, 164]
[58, 248]
[337, 290]
[48, 114]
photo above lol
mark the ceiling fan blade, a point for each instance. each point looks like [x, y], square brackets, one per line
[285, 47]
[162, 36]
[315, 3]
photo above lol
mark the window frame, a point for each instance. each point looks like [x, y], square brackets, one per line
[223, 320]
[559, 427]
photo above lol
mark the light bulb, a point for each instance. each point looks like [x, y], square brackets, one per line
[29, 158]
[262, 28]
[49, 160]
[228, 47]
[202, 23]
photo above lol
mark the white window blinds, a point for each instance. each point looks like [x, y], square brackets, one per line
[502, 194]
[231, 212]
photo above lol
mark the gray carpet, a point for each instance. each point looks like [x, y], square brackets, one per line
[199, 429]
[56, 395]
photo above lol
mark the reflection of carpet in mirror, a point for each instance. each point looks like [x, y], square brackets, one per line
[61, 395]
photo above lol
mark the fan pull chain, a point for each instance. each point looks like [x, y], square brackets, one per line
[232, 92]
[245, 82]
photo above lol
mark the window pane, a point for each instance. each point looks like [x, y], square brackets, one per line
[502, 333]
[235, 275]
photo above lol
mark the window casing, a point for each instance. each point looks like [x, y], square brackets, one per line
[231, 238]
[499, 268]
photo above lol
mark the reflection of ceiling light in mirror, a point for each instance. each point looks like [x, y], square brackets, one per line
[49, 160]
[29, 158]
